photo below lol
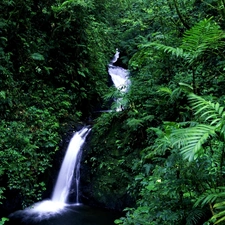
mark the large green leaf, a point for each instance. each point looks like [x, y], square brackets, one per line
[190, 140]
[212, 113]
[37, 56]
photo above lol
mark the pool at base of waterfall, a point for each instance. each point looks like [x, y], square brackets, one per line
[70, 215]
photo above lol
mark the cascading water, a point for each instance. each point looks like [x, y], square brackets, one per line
[73, 213]
[71, 162]
[120, 78]
[78, 177]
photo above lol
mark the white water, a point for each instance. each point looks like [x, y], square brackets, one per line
[116, 57]
[63, 184]
[58, 202]
[120, 79]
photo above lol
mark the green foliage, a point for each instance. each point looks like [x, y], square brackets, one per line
[206, 35]
[37, 56]
[166, 197]
[174, 51]
[109, 158]
[3, 220]
[194, 143]
[210, 112]
[26, 152]
[190, 140]
[52, 75]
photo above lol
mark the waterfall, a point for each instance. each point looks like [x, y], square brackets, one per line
[78, 178]
[47, 208]
[116, 57]
[120, 78]
[71, 161]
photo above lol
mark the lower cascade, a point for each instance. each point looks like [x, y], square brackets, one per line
[71, 161]
[58, 201]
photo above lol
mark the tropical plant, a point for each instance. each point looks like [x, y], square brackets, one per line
[206, 139]
[52, 76]
[199, 44]
[204, 36]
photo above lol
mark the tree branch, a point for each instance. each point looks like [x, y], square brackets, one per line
[180, 16]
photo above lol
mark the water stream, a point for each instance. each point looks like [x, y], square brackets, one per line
[70, 163]
[58, 203]
[120, 79]
[57, 211]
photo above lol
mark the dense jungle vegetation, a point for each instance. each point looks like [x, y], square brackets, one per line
[161, 159]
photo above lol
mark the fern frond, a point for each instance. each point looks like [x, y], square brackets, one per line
[176, 51]
[171, 95]
[190, 140]
[162, 143]
[206, 34]
[219, 206]
[203, 36]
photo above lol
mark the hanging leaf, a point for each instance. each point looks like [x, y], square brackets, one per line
[37, 56]
[2, 94]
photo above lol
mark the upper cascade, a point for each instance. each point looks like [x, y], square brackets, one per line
[120, 78]
[116, 57]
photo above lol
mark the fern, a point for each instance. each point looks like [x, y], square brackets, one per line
[165, 90]
[205, 35]
[178, 52]
[191, 142]
[161, 145]
[173, 96]
[186, 87]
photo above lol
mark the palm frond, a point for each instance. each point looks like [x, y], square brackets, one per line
[219, 217]
[203, 36]
[209, 111]
[210, 196]
[186, 87]
[172, 95]
[165, 90]
[220, 205]
[190, 140]
[214, 195]
[194, 216]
